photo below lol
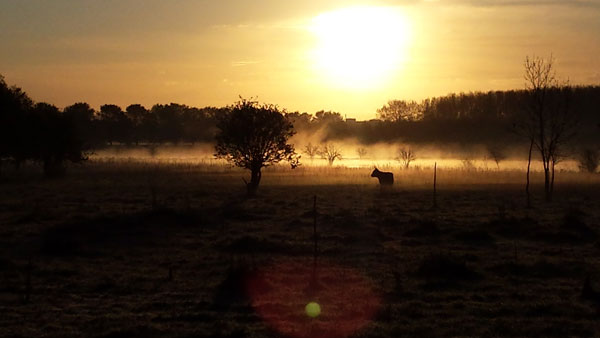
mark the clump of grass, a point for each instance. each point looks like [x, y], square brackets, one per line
[423, 228]
[513, 227]
[82, 236]
[445, 268]
[475, 237]
[251, 244]
[346, 218]
[573, 222]
[541, 269]
[232, 289]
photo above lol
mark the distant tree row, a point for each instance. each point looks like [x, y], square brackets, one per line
[492, 105]
[172, 123]
[37, 131]
[28, 129]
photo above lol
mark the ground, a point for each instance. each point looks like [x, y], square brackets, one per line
[125, 249]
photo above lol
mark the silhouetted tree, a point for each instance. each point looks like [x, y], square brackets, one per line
[361, 152]
[405, 156]
[311, 150]
[325, 117]
[253, 136]
[497, 154]
[549, 121]
[301, 121]
[116, 125]
[138, 115]
[170, 121]
[14, 107]
[54, 139]
[400, 110]
[331, 153]
[198, 124]
[81, 117]
[589, 159]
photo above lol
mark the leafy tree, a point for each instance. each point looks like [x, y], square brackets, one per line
[400, 110]
[301, 121]
[81, 116]
[14, 107]
[253, 136]
[325, 117]
[198, 124]
[138, 115]
[117, 126]
[169, 118]
[54, 139]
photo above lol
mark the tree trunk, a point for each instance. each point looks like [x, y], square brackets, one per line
[547, 183]
[252, 186]
[552, 180]
[528, 171]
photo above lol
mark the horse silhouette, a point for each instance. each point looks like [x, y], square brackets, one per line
[385, 178]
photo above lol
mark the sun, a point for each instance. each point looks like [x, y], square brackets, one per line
[360, 47]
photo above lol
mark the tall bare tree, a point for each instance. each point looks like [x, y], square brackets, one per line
[549, 121]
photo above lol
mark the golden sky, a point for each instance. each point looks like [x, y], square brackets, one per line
[346, 56]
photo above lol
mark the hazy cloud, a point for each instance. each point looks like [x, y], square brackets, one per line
[517, 3]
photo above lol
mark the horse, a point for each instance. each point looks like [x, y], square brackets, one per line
[385, 178]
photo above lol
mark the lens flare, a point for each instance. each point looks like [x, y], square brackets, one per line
[313, 309]
[290, 296]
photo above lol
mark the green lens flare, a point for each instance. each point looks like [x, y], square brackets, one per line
[313, 309]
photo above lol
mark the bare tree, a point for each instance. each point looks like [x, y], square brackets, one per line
[405, 156]
[331, 153]
[497, 154]
[468, 164]
[311, 150]
[549, 122]
[589, 159]
[361, 152]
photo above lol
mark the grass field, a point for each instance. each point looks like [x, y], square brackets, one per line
[126, 248]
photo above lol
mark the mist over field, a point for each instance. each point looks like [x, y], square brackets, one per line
[475, 157]
[308, 169]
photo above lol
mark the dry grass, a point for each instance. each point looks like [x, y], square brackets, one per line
[107, 261]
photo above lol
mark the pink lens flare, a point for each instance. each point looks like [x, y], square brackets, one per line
[280, 293]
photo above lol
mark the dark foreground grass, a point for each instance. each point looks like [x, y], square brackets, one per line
[167, 252]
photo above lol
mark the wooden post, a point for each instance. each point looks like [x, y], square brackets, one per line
[315, 230]
[435, 185]
[27, 296]
[313, 285]
[528, 170]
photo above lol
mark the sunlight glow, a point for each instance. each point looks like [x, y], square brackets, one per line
[360, 47]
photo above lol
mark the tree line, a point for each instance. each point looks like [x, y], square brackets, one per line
[44, 133]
